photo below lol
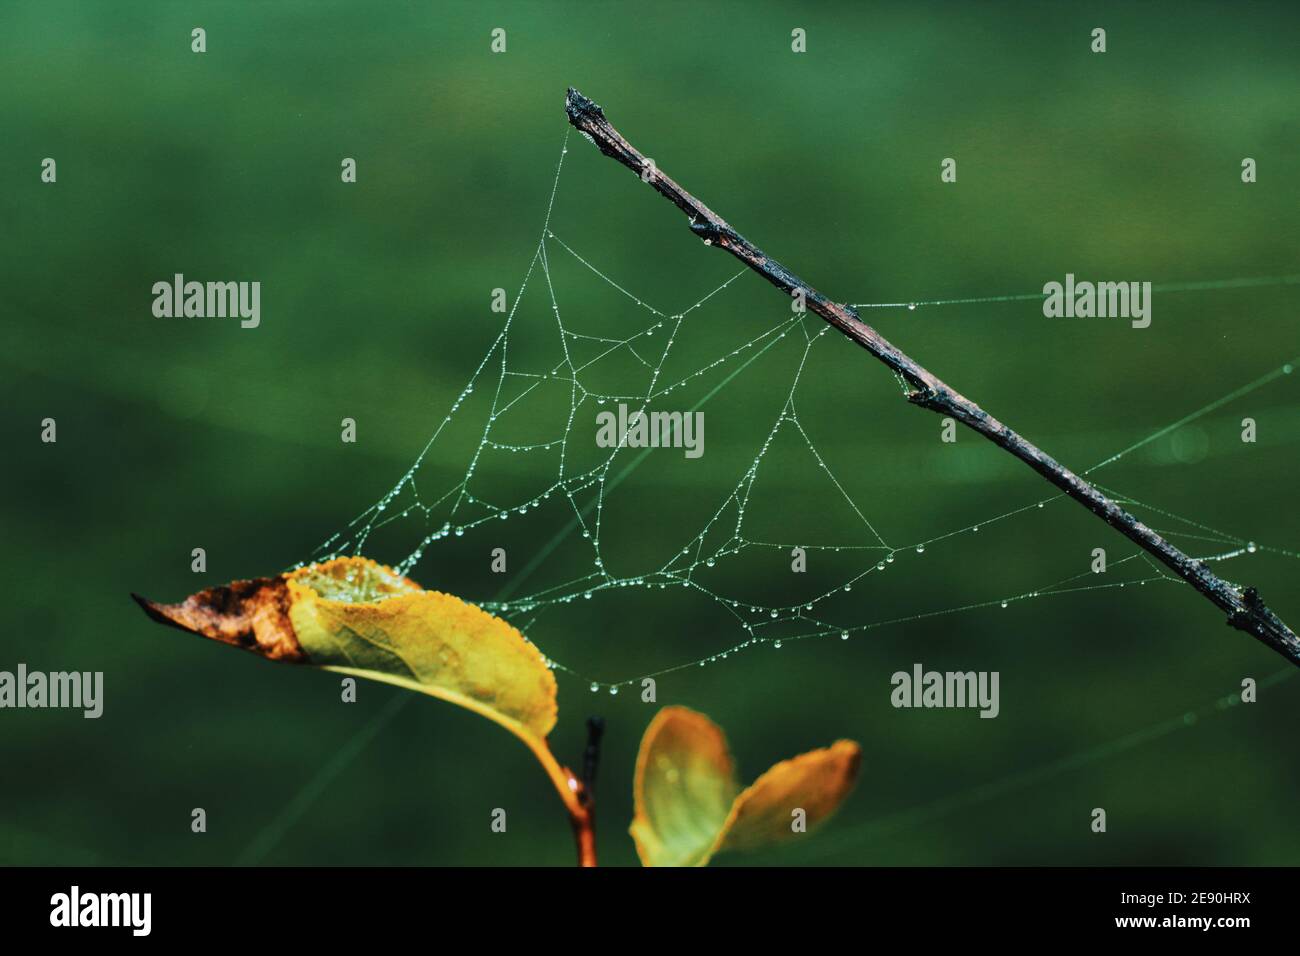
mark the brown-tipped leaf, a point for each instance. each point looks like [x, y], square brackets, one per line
[358, 617]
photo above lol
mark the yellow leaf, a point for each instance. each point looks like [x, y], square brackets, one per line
[357, 617]
[689, 805]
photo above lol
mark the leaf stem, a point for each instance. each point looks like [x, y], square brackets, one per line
[577, 793]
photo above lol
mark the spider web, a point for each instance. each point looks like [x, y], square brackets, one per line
[571, 369]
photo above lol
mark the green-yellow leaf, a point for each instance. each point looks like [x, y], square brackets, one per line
[689, 805]
[684, 789]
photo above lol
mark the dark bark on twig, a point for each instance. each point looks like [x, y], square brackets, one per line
[591, 756]
[583, 817]
[1245, 610]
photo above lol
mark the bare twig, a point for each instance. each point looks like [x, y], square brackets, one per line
[582, 809]
[591, 756]
[1245, 610]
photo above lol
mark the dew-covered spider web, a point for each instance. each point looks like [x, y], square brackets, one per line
[534, 398]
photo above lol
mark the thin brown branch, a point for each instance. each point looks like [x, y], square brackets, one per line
[1245, 610]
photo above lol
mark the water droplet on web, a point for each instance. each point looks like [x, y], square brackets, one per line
[613, 690]
[1251, 548]
[777, 645]
[710, 562]
[1004, 603]
[920, 549]
[773, 612]
[911, 307]
[844, 635]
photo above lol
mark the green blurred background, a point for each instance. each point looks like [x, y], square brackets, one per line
[175, 434]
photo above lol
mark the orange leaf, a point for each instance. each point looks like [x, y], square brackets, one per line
[815, 782]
